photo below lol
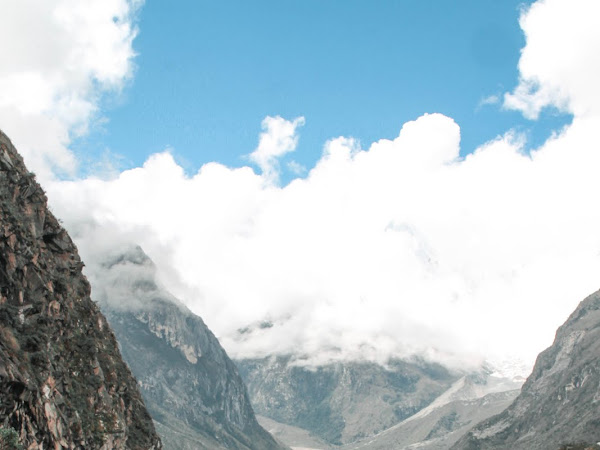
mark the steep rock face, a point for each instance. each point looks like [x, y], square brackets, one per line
[63, 383]
[191, 387]
[342, 402]
[560, 401]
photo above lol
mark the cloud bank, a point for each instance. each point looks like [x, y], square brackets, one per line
[397, 249]
[62, 56]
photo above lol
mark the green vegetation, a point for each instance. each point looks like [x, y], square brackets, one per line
[9, 439]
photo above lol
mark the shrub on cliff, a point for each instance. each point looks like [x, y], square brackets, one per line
[9, 439]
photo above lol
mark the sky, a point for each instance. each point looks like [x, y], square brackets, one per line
[213, 70]
[370, 179]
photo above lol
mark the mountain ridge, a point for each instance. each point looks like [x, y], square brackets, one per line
[559, 404]
[192, 388]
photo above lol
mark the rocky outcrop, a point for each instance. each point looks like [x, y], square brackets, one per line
[559, 403]
[63, 383]
[341, 403]
[191, 387]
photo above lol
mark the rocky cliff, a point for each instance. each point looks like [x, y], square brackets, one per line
[63, 383]
[191, 387]
[559, 403]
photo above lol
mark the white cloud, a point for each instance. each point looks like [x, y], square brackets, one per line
[63, 55]
[296, 168]
[397, 249]
[489, 100]
[559, 66]
[279, 137]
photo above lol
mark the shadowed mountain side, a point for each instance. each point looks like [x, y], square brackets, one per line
[191, 387]
[342, 402]
[560, 401]
[469, 400]
[63, 383]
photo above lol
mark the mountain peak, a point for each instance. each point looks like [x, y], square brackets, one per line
[191, 387]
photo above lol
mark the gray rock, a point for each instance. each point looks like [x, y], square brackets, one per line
[63, 383]
[191, 387]
[559, 403]
[466, 402]
[342, 402]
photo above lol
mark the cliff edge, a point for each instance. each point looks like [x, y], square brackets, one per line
[63, 383]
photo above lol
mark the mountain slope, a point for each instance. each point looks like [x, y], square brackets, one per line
[192, 389]
[466, 402]
[342, 402]
[63, 383]
[560, 401]
[440, 426]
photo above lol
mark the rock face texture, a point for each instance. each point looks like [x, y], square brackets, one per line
[559, 403]
[63, 383]
[191, 387]
[343, 402]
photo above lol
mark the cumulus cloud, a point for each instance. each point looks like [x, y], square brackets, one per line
[397, 249]
[559, 66]
[63, 55]
[279, 137]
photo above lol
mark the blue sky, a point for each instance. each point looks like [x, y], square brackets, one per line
[415, 245]
[207, 73]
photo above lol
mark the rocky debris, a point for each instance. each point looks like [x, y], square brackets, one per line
[191, 387]
[63, 384]
[559, 403]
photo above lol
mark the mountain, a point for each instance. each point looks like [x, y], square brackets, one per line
[191, 387]
[468, 401]
[559, 403]
[342, 402]
[437, 430]
[63, 383]
[402, 406]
